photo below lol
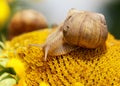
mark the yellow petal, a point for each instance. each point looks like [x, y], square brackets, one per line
[17, 65]
[21, 82]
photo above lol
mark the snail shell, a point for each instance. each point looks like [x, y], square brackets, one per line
[85, 29]
[80, 29]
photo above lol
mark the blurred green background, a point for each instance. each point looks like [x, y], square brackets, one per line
[112, 12]
[50, 8]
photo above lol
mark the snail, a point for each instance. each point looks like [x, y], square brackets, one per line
[26, 20]
[80, 29]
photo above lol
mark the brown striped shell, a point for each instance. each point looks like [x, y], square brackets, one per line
[85, 29]
[80, 29]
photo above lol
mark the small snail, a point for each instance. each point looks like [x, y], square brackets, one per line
[26, 20]
[80, 29]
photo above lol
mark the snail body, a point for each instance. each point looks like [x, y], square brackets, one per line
[55, 44]
[80, 29]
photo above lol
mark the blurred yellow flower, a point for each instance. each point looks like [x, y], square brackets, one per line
[4, 12]
[17, 65]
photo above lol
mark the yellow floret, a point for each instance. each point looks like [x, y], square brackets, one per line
[78, 84]
[43, 84]
[90, 67]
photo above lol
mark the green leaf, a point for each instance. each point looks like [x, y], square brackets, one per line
[1, 67]
[3, 61]
[8, 70]
[6, 77]
[2, 45]
[8, 82]
[3, 38]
